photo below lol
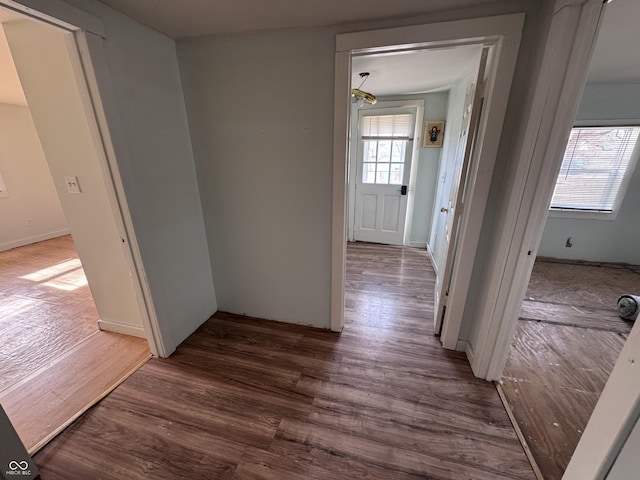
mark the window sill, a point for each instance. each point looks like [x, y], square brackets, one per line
[582, 214]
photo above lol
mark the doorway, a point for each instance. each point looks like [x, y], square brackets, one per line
[397, 174]
[569, 334]
[72, 363]
[351, 47]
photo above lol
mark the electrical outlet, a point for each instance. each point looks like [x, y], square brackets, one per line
[569, 243]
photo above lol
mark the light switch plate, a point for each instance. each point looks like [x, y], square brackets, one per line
[73, 186]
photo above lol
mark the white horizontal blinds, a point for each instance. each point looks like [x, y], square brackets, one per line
[386, 127]
[594, 165]
[384, 147]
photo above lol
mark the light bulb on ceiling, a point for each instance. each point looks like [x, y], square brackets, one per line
[361, 95]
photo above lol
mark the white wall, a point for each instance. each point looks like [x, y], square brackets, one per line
[261, 115]
[158, 171]
[260, 109]
[602, 240]
[32, 211]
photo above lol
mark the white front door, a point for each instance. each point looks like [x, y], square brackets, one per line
[455, 204]
[383, 169]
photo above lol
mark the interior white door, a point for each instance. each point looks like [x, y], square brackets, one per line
[455, 205]
[383, 169]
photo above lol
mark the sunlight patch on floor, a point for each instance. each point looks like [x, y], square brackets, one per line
[67, 275]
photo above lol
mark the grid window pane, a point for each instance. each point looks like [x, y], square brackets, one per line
[397, 151]
[370, 151]
[384, 150]
[382, 173]
[369, 173]
[396, 176]
[383, 161]
[594, 165]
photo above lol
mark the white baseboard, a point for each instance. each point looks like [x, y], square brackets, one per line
[20, 242]
[115, 327]
[417, 244]
[468, 349]
[433, 262]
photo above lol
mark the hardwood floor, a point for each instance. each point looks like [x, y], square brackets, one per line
[244, 398]
[42, 404]
[45, 306]
[566, 343]
[54, 362]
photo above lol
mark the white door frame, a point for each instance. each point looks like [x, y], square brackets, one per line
[457, 203]
[558, 91]
[504, 33]
[100, 105]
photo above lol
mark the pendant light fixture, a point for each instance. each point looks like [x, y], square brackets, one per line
[362, 96]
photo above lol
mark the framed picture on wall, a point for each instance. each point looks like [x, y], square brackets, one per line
[433, 134]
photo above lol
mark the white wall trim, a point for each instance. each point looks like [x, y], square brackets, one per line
[109, 138]
[610, 122]
[58, 13]
[20, 242]
[498, 77]
[432, 259]
[413, 243]
[461, 32]
[567, 55]
[108, 326]
[463, 346]
[413, 175]
[491, 30]
[341, 108]
[468, 350]
[584, 214]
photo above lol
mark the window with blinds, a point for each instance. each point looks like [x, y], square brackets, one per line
[386, 127]
[593, 168]
[385, 140]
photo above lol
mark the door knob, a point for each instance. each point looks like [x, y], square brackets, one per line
[444, 209]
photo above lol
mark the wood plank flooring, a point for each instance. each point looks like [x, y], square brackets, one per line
[54, 362]
[244, 398]
[45, 306]
[42, 404]
[566, 343]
